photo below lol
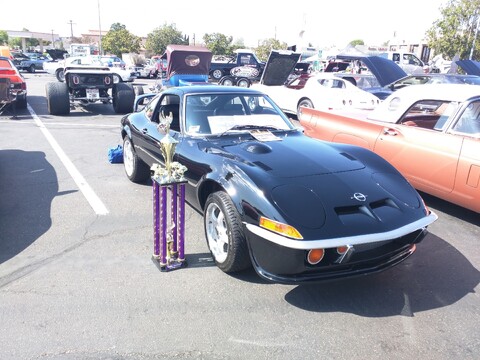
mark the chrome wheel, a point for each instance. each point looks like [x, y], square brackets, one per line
[217, 232]
[128, 160]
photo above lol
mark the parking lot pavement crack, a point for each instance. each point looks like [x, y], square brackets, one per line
[26, 270]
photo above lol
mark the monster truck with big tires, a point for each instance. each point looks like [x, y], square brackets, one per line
[84, 86]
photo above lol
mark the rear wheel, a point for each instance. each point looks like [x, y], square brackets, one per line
[136, 169]
[31, 69]
[123, 98]
[226, 81]
[225, 237]
[243, 82]
[58, 100]
[21, 101]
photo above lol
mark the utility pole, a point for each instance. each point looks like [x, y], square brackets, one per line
[53, 40]
[475, 36]
[71, 27]
[99, 31]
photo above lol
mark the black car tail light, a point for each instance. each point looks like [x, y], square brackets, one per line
[107, 80]
[76, 79]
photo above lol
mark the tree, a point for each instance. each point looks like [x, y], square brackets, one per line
[455, 32]
[219, 44]
[161, 37]
[3, 37]
[119, 40]
[357, 42]
[263, 50]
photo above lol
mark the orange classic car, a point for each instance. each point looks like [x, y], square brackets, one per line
[430, 133]
[13, 88]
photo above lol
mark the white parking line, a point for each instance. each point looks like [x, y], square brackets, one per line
[92, 198]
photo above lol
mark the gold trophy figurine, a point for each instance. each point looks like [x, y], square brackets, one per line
[173, 171]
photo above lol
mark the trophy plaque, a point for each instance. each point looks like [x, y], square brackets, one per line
[168, 204]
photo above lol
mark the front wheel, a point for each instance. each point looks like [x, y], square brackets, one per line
[225, 237]
[60, 75]
[305, 103]
[31, 69]
[135, 169]
[217, 74]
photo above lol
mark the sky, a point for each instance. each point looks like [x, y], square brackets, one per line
[324, 23]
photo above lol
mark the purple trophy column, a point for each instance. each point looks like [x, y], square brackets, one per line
[174, 216]
[181, 224]
[156, 220]
[163, 223]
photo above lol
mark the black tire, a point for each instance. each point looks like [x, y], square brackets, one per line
[31, 69]
[244, 82]
[58, 99]
[60, 75]
[226, 81]
[217, 74]
[305, 103]
[224, 233]
[135, 169]
[123, 98]
[21, 101]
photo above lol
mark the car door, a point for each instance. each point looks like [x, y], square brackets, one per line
[421, 149]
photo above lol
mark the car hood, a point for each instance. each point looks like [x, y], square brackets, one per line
[56, 54]
[471, 67]
[280, 64]
[385, 70]
[291, 156]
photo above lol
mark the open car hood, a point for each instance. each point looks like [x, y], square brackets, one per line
[280, 64]
[471, 67]
[56, 54]
[386, 71]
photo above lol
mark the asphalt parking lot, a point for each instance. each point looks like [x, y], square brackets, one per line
[77, 280]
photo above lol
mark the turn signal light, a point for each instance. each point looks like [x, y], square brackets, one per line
[315, 256]
[280, 228]
[342, 250]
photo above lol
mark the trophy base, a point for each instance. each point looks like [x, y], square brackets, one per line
[172, 264]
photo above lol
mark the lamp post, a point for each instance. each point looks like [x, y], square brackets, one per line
[53, 40]
[99, 31]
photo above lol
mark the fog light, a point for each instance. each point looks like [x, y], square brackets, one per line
[315, 256]
[342, 249]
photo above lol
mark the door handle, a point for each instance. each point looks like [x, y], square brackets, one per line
[389, 131]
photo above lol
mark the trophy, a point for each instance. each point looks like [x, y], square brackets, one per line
[168, 222]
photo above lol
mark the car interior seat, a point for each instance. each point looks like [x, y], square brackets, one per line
[230, 109]
[173, 109]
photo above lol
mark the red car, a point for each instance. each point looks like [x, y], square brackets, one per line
[13, 84]
[430, 133]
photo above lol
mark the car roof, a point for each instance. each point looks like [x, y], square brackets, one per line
[403, 98]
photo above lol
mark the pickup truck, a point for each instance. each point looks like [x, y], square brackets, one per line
[244, 64]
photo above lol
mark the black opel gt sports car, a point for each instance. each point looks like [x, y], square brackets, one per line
[296, 208]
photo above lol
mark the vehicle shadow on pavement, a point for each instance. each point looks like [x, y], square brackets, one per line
[435, 276]
[451, 209]
[29, 184]
[78, 110]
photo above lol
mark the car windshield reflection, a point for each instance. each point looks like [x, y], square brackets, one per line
[219, 114]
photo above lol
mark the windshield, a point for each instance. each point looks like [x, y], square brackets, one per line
[215, 114]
